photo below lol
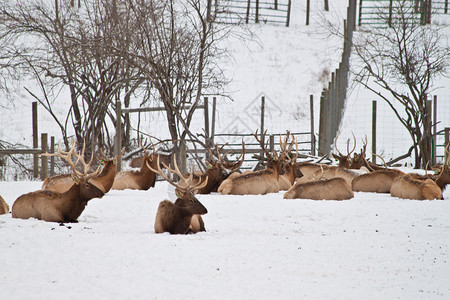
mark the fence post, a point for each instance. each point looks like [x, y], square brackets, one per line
[374, 131]
[307, 11]
[52, 158]
[35, 139]
[213, 121]
[118, 134]
[206, 111]
[248, 12]
[434, 129]
[257, 12]
[326, 7]
[271, 143]
[44, 159]
[263, 100]
[446, 143]
[313, 137]
[288, 17]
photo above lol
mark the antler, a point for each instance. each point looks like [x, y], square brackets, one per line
[185, 184]
[348, 142]
[261, 142]
[80, 158]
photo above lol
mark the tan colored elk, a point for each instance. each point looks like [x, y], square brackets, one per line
[138, 180]
[330, 189]
[378, 181]
[104, 181]
[60, 207]
[4, 207]
[183, 216]
[256, 182]
[415, 187]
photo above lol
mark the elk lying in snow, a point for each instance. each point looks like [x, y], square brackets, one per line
[60, 207]
[104, 181]
[218, 170]
[379, 181]
[257, 182]
[416, 187]
[4, 207]
[330, 189]
[138, 162]
[183, 216]
[137, 180]
[314, 171]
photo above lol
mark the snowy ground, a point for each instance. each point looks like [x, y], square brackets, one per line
[256, 247]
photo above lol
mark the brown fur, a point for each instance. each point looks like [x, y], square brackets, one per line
[331, 189]
[290, 172]
[53, 206]
[416, 188]
[379, 181]
[4, 207]
[137, 180]
[444, 177]
[177, 218]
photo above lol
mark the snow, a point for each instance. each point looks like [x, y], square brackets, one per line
[373, 246]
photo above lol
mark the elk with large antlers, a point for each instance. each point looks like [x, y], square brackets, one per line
[218, 169]
[138, 180]
[257, 182]
[183, 216]
[60, 207]
[104, 181]
[290, 170]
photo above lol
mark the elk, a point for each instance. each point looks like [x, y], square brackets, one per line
[183, 216]
[290, 170]
[60, 207]
[330, 189]
[4, 207]
[256, 182]
[142, 179]
[138, 162]
[63, 182]
[444, 175]
[378, 181]
[415, 187]
[218, 169]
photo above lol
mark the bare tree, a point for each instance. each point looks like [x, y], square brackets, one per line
[175, 47]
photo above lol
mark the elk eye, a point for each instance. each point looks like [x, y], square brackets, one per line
[191, 201]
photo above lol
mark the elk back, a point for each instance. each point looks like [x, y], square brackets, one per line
[407, 187]
[331, 189]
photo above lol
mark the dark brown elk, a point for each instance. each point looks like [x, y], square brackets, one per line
[218, 169]
[256, 182]
[331, 189]
[63, 182]
[378, 181]
[4, 207]
[60, 207]
[183, 216]
[142, 179]
[415, 187]
[444, 174]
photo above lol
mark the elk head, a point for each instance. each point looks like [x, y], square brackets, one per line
[343, 160]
